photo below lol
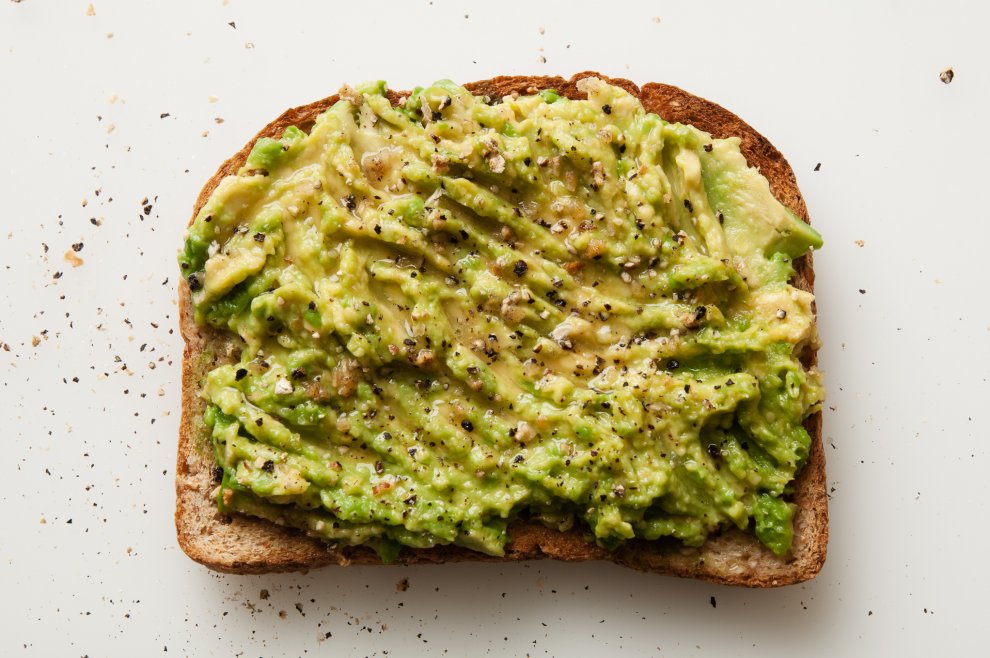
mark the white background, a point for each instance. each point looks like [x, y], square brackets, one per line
[89, 564]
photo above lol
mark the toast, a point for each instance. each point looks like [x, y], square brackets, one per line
[245, 545]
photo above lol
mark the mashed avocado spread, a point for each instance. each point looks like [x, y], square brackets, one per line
[459, 311]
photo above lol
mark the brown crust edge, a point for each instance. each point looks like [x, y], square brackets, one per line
[245, 545]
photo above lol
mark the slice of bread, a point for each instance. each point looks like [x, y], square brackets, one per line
[241, 544]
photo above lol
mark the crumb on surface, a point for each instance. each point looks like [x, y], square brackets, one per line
[71, 258]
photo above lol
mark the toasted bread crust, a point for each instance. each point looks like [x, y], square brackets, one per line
[241, 544]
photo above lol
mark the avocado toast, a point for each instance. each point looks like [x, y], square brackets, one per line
[535, 430]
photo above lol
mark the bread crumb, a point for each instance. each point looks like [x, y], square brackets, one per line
[71, 258]
[543, 30]
[218, 120]
[264, 594]
[859, 243]
[947, 75]
[541, 59]
[85, 203]
[656, 19]
[112, 98]
[213, 99]
[35, 341]
[282, 614]
[402, 585]
[249, 45]
[90, 10]
[205, 133]
[109, 35]
[43, 521]
[111, 128]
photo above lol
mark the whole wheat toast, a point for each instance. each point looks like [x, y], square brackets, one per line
[241, 544]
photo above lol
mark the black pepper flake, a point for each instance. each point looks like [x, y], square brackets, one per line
[77, 247]
[268, 466]
[193, 280]
[379, 468]
[409, 342]
[467, 425]
[673, 364]
[312, 306]
[240, 374]
[298, 373]
[818, 166]
[378, 229]
[607, 109]
[517, 459]
[520, 268]
[259, 421]
[350, 202]
[708, 148]
[217, 474]
[862, 291]
[714, 450]
[527, 161]
[411, 500]
[687, 204]
[712, 601]
[259, 237]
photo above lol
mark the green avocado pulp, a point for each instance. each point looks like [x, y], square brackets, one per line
[456, 313]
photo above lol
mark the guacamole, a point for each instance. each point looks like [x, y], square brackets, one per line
[459, 311]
